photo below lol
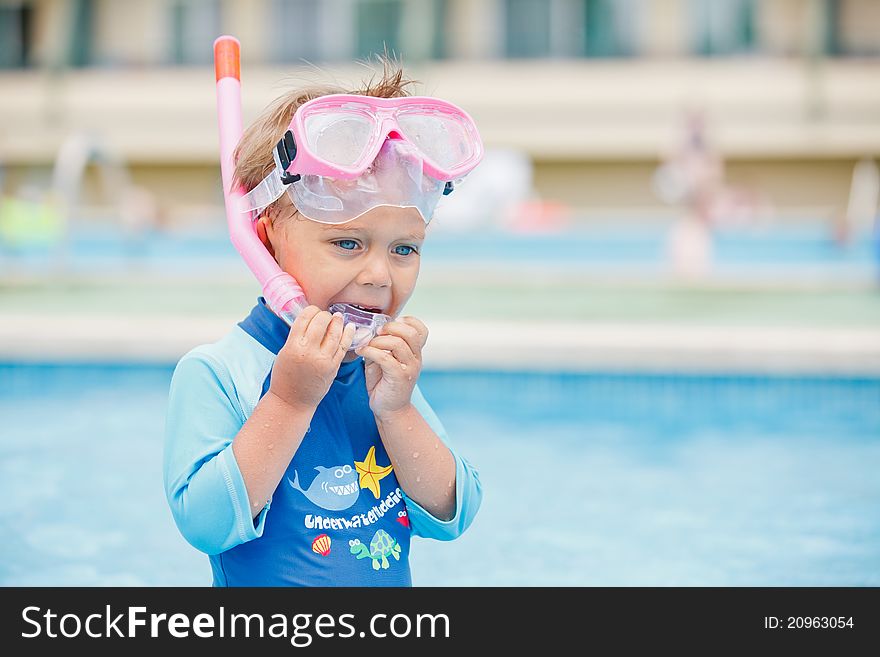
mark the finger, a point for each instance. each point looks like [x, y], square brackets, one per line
[301, 323]
[397, 346]
[382, 358]
[418, 325]
[331, 339]
[405, 331]
[345, 340]
[317, 328]
[347, 336]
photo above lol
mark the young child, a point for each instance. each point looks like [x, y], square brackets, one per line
[289, 459]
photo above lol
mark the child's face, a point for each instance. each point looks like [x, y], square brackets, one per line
[371, 261]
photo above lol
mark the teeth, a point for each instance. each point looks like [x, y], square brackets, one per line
[348, 489]
[364, 308]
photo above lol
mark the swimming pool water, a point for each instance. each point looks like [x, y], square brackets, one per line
[593, 479]
[639, 247]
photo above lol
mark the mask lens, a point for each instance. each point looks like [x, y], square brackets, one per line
[338, 137]
[442, 138]
[394, 178]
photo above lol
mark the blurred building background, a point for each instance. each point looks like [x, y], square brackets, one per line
[593, 94]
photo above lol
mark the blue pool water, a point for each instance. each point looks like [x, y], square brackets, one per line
[634, 248]
[593, 479]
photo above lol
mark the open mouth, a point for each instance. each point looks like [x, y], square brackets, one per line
[367, 319]
[368, 309]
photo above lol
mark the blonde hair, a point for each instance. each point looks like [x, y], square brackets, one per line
[253, 155]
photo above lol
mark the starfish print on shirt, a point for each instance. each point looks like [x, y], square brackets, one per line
[370, 473]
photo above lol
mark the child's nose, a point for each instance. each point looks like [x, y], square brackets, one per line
[376, 271]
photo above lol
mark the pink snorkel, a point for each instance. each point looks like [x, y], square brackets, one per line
[283, 295]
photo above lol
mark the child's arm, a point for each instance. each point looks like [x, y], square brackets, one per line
[265, 445]
[302, 374]
[423, 464]
[468, 488]
[428, 472]
[214, 459]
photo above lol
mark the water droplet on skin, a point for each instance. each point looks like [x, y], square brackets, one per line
[266, 425]
[418, 479]
[403, 367]
[449, 485]
[409, 428]
[436, 445]
[415, 455]
[271, 445]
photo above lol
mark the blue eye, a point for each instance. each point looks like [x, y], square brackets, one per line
[404, 250]
[348, 245]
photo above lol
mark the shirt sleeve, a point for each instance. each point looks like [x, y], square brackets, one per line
[468, 489]
[203, 483]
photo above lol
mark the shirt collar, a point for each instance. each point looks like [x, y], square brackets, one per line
[265, 327]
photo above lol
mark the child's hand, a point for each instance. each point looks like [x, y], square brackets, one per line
[308, 362]
[393, 363]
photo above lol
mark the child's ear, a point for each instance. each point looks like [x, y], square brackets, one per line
[265, 232]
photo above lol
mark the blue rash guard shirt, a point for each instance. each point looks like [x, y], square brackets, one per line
[321, 527]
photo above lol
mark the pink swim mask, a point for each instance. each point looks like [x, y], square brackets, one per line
[344, 154]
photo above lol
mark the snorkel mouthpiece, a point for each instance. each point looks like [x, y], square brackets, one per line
[366, 324]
